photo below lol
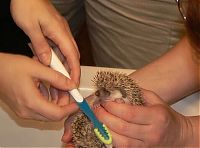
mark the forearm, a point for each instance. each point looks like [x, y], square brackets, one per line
[172, 76]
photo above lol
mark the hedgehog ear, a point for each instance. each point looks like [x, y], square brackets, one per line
[151, 98]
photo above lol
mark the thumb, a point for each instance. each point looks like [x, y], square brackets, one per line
[52, 111]
[40, 45]
[55, 78]
[151, 98]
[67, 135]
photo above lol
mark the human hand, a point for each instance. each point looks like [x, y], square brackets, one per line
[155, 124]
[19, 79]
[40, 21]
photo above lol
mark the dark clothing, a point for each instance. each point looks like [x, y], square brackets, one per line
[12, 38]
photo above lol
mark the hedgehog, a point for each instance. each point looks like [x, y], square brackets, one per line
[110, 86]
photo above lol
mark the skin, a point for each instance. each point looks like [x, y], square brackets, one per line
[167, 79]
[172, 76]
[22, 94]
[44, 26]
[41, 22]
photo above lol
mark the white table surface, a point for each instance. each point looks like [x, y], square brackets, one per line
[16, 132]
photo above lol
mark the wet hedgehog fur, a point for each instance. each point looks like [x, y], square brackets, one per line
[108, 85]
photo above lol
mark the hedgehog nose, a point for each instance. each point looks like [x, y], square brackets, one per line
[106, 93]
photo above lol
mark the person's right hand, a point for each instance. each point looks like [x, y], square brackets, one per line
[19, 77]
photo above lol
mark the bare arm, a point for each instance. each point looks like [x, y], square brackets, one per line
[172, 76]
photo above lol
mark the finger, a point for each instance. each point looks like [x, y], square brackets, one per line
[67, 135]
[54, 112]
[35, 58]
[64, 41]
[70, 145]
[27, 113]
[44, 91]
[151, 98]
[38, 117]
[63, 98]
[72, 61]
[59, 54]
[54, 95]
[69, 32]
[125, 142]
[47, 109]
[134, 114]
[55, 78]
[40, 45]
[120, 126]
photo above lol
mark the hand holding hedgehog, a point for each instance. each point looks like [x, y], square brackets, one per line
[155, 124]
[149, 123]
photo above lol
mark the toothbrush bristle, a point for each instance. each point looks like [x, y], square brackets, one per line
[106, 138]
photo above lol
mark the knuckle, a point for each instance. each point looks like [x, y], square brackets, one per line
[55, 118]
[67, 83]
[52, 34]
[58, 22]
[29, 105]
[59, 18]
[27, 26]
[149, 94]
[58, 116]
[162, 117]
[43, 48]
[58, 77]
[22, 114]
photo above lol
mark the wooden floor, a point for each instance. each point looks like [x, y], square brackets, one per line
[85, 48]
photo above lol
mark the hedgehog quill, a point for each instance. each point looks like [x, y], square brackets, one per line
[110, 86]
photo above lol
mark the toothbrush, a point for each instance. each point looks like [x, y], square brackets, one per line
[100, 129]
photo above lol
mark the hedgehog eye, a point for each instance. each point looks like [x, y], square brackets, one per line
[97, 93]
[106, 93]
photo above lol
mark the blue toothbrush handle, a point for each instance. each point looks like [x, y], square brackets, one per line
[89, 113]
[86, 109]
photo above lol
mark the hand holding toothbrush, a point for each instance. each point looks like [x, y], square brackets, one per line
[20, 79]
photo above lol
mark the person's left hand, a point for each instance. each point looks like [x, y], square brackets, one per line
[155, 124]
